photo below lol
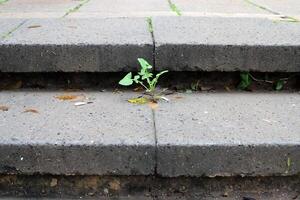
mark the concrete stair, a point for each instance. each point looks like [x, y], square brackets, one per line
[93, 137]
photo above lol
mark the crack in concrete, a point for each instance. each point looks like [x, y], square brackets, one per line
[8, 34]
[284, 17]
[174, 8]
[76, 8]
[156, 147]
[150, 29]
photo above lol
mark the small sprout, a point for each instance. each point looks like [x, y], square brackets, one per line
[288, 164]
[245, 81]
[279, 85]
[144, 77]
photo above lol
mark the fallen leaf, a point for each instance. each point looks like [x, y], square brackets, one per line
[138, 89]
[141, 100]
[34, 26]
[53, 182]
[4, 108]
[30, 110]
[227, 89]
[203, 88]
[66, 97]
[81, 103]
[114, 185]
[178, 97]
[164, 98]
[14, 86]
[153, 105]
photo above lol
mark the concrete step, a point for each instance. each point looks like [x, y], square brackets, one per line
[108, 36]
[201, 134]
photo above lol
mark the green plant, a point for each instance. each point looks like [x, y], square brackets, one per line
[245, 80]
[144, 77]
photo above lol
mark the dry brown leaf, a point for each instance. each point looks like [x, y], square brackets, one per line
[66, 97]
[114, 185]
[4, 108]
[178, 97]
[153, 105]
[53, 182]
[227, 89]
[14, 86]
[34, 26]
[138, 89]
[31, 110]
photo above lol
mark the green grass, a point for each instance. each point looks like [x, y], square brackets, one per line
[76, 8]
[174, 8]
[3, 1]
[150, 26]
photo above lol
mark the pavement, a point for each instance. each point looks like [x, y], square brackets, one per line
[100, 133]
[179, 35]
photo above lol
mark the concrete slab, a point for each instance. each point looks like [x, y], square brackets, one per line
[286, 7]
[216, 6]
[72, 45]
[227, 134]
[123, 8]
[226, 44]
[36, 8]
[9, 25]
[108, 136]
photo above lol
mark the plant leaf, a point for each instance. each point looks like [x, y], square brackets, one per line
[245, 81]
[127, 80]
[140, 100]
[136, 78]
[279, 85]
[144, 64]
[161, 73]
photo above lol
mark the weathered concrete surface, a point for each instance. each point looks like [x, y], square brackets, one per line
[226, 44]
[216, 6]
[36, 8]
[229, 134]
[108, 136]
[286, 7]
[123, 8]
[72, 45]
[8, 25]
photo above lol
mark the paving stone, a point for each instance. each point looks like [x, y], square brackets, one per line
[36, 8]
[123, 8]
[108, 136]
[229, 134]
[216, 6]
[287, 7]
[9, 25]
[72, 45]
[226, 44]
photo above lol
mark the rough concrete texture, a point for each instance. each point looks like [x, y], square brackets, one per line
[286, 7]
[123, 8]
[72, 45]
[8, 25]
[36, 8]
[226, 44]
[107, 136]
[216, 6]
[226, 134]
